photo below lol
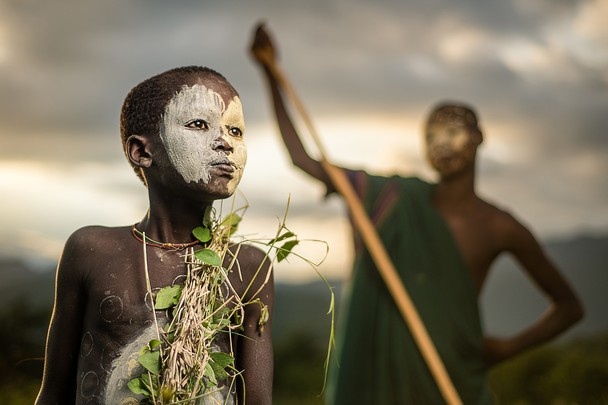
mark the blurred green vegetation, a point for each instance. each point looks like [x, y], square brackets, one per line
[22, 338]
[572, 372]
[299, 370]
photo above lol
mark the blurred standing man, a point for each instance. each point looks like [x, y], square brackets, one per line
[442, 238]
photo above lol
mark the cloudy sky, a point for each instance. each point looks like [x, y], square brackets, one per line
[368, 72]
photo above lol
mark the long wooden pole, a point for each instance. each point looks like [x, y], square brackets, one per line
[383, 262]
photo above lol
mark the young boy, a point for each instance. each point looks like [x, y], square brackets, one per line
[182, 131]
[442, 239]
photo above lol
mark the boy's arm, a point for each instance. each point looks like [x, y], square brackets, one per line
[255, 355]
[564, 309]
[63, 340]
[264, 53]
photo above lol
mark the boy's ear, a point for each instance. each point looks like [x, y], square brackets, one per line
[139, 150]
[478, 137]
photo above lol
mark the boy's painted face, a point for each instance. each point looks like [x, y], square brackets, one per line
[450, 146]
[204, 137]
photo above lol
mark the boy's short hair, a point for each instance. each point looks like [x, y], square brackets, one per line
[144, 106]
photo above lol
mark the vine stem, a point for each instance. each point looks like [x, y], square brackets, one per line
[148, 285]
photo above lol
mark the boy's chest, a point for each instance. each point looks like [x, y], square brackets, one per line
[120, 292]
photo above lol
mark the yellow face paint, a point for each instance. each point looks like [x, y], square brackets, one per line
[231, 119]
[450, 147]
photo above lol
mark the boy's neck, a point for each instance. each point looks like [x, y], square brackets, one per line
[172, 220]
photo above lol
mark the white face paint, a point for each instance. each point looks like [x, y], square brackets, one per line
[450, 147]
[203, 137]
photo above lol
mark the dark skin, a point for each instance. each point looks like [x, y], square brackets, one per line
[481, 231]
[101, 301]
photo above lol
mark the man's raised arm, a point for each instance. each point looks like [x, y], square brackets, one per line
[264, 54]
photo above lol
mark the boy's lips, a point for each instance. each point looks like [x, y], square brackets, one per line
[224, 166]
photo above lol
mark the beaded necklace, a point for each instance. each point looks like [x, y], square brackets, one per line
[139, 235]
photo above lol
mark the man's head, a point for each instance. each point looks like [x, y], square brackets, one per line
[452, 137]
[186, 121]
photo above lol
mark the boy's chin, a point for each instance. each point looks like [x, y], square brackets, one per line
[220, 190]
[222, 196]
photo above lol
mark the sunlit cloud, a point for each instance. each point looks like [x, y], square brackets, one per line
[4, 46]
[526, 57]
[424, 67]
[590, 26]
[41, 199]
[465, 45]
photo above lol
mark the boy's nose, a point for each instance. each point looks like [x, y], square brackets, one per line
[222, 144]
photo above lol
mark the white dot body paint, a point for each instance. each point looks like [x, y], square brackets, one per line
[193, 151]
[126, 367]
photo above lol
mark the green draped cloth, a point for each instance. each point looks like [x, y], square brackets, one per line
[378, 362]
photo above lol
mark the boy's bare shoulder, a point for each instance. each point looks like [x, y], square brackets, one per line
[95, 238]
[250, 254]
[254, 266]
[88, 248]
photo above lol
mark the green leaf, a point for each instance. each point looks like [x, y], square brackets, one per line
[221, 318]
[201, 233]
[285, 250]
[221, 359]
[168, 296]
[232, 221]
[210, 374]
[151, 361]
[209, 257]
[167, 393]
[222, 323]
[207, 216]
[279, 238]
[138, 386]
[154, 344]
[238, 318]
[219, 362]
[221, 313]
[220, 373]
[264, 316]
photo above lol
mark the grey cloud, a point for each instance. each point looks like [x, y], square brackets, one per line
[71, 63]
[76, 70]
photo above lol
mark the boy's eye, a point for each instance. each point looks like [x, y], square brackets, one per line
[197, 124]
[234, 131]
